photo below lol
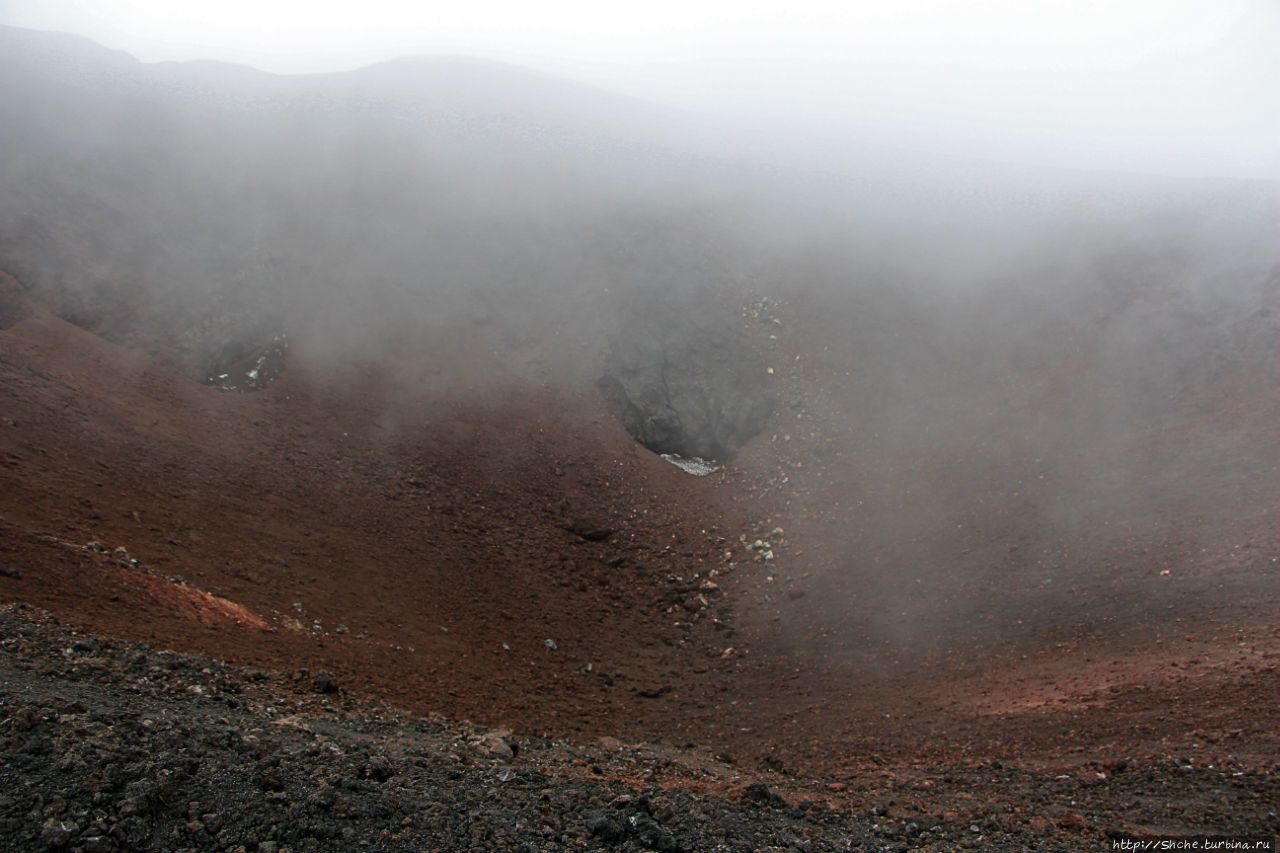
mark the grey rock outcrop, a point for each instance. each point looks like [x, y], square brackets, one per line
[685, 378]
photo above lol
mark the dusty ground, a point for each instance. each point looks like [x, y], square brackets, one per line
[110, 745]
[513, 559]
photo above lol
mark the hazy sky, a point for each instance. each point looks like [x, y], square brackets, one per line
[1164, 85]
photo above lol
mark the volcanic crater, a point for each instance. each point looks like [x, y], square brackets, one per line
[1001, 561]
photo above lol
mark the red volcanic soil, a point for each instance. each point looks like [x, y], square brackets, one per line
[514, 558]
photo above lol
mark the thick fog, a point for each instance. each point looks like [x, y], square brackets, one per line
[1180, 87]
[1005, 366]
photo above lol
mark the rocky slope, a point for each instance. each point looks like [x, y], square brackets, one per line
[109, 745]
[303, 463]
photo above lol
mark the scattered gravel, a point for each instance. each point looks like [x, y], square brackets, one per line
[113, 746]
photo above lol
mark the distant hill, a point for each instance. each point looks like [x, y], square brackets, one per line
[152, 203]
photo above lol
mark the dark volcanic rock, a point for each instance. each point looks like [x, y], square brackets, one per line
[130, 749]
[685, 379]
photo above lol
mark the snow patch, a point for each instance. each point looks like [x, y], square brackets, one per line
[694, 465]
